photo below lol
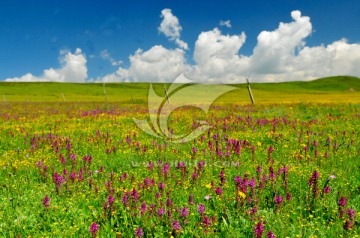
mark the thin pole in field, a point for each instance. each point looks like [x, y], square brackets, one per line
[105, 92]
[132, 98]
[166, 94]
[62, 94]
[250, 93]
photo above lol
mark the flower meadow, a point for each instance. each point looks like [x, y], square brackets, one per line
[86, 170]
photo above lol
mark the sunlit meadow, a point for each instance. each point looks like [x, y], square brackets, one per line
[266, 170]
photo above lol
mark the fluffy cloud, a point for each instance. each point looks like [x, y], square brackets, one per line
[338, 58]
[158, 64]
[225, 23]
[275, 50]
[282, 54]
[73, 69]
[216, 57]
[279, 55]
[171, 28]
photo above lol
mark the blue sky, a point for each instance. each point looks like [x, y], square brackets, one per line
[101, 35]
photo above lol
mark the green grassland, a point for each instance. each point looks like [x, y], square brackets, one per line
[288, 165]
[343, 89]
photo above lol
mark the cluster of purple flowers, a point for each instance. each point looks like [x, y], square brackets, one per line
[313, 182]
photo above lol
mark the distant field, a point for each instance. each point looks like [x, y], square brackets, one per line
[344, 89]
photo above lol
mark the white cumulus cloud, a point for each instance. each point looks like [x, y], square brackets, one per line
[280, 54]
[217, 57]
[171, 28]
[158, 64]
[73, 69]
[275, 50]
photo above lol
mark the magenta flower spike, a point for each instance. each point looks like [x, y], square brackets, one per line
[46, 201]
[201, 209]
[94, 228]
[139, 232]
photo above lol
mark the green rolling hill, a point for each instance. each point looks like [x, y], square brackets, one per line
[331, 89]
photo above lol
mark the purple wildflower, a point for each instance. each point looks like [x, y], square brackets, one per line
[270, 150]
[161, 186]
[237, 180]
[271, 173]
[201, 208]
[218, 191]
[147, 182]
[252, 183]
[288, 196]
[169, 203]
[342, 202]
[253, 210]
[184, 212]
[72, 157]
[165, 169]
[206, 221]
[39, 164]
[135, 195]
[62, 159]
[143, 208]
[191, 199]
[80, 175]
[72, 176]
[110, 200]
[201, 165]
[313, 181]
[124, 200]
[351, 213]
[348, 225]
[139, 232]
[94, 228]
[46, 201]
[222, 177]
[278, 200]
[176, 225]
[327, 189]
[258, 229]
[258, 169]
[150, 166]
[270, 235]
[123, 176]
[194, 176]
[58, 179]
[160, 212]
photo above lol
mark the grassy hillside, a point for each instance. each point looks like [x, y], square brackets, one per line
[331, 89]
[329, 84]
